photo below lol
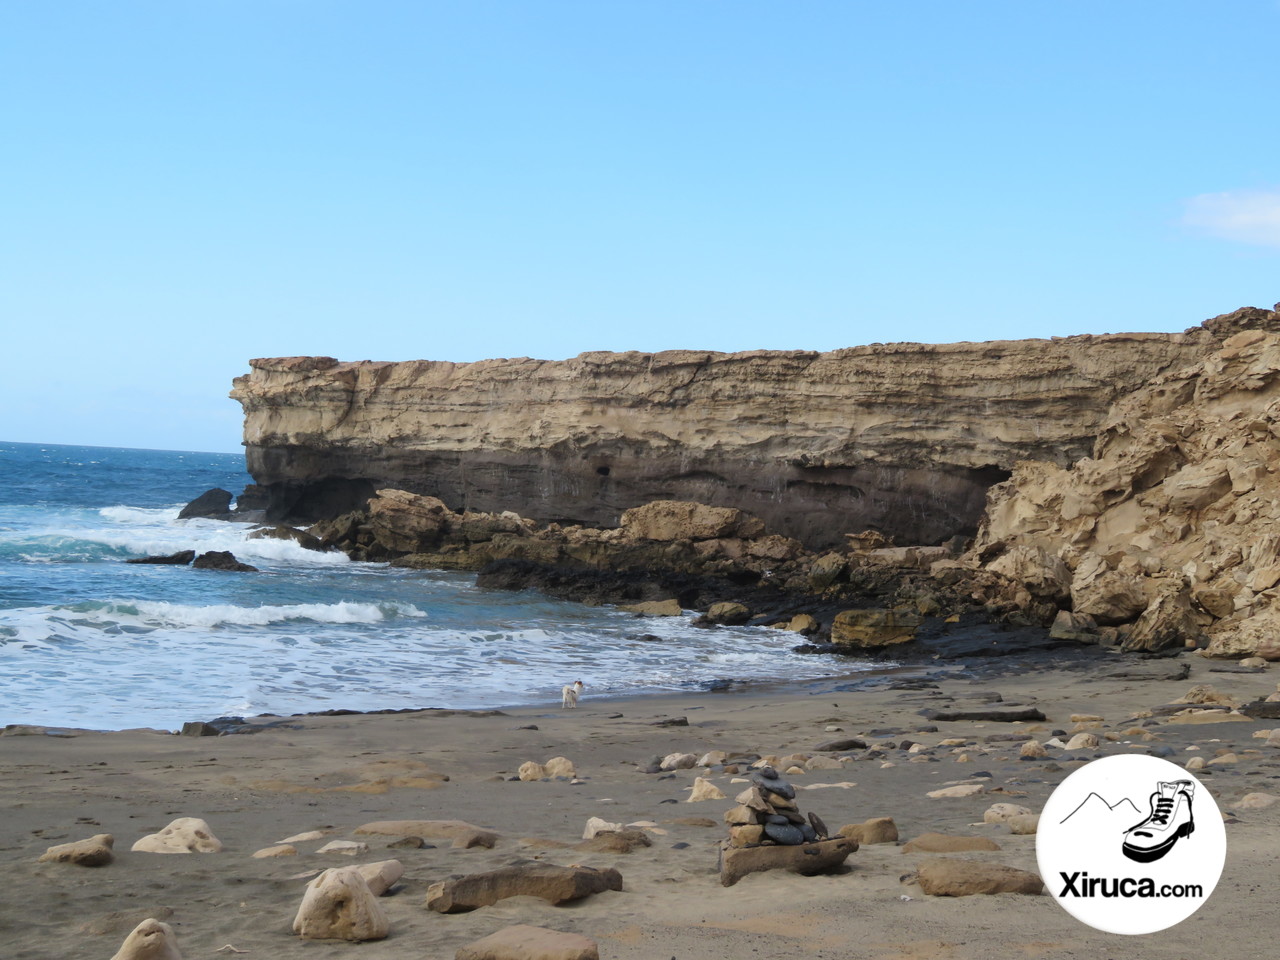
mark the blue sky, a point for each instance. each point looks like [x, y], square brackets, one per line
[186, 185]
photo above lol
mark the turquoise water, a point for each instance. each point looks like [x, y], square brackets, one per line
[87, 640]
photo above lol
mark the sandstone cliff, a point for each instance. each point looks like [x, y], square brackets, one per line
[902, 438]
[1169, 534]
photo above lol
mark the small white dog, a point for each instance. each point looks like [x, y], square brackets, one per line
[569, 695]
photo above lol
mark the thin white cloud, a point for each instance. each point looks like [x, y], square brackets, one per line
[1247, 216]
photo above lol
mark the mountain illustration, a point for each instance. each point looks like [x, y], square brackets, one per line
[1096, 807]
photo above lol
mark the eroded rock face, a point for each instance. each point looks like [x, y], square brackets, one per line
[905, 438]
[1171, 529]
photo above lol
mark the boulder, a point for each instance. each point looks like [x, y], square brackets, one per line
[819, 856]
[525, 942]
[945, 843]
[615, 841]
[221, 560]
[560, 767]
[184, 835]
[531, 770]
[599, 825]
[704, 789]
[348, 848]
[1026, 824]
[213, 504]
[727, 613]
[654, 608]
[404, 522]
[874, 628]
[181, 558]
[1080, 627]
[1168, 621]
[545, 880]
[1083, 741]
[803, 623]
[381, 876]
[94, 852]
[338, 905]
[149, 940]
[1108, 597]
[958, 790]
[875, 830]
[1032, 750]
[276, 850]
[1044, 575]
[464, 835]
[679, 761]
[963, 878]
[1004, 812]
[669, 520]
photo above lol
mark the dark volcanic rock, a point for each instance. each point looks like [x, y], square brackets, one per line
[180, 558]
[213, 504]
[221, 560]
[1262, 710]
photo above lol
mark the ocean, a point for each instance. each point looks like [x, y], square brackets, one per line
[87, 640]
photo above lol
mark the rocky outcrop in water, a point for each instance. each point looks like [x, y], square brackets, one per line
[1169, 534]
[902, 438]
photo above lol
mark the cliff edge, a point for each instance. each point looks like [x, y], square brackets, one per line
[901, 438]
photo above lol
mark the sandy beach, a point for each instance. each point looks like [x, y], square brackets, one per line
[335, 774]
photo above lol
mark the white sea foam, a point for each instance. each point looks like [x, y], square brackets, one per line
[176, 615]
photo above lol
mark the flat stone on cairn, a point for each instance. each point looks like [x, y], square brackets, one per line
[149, 940]
[767, 831]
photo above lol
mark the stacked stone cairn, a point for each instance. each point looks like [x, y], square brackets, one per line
[767, 813]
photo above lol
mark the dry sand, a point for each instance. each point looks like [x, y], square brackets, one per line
[336, 773]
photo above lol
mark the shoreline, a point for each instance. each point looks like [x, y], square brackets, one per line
[336, 773]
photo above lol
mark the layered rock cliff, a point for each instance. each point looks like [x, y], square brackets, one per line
[1169, 534]
[901, 438]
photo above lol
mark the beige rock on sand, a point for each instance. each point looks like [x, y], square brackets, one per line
[875, 830]
[1024, 824]
[959, 790]
[381, 876]
[93, 852]
[464, 835]
[963, 878]
[149, 940]
[184, 835]
[338, 905]
[348, 848]
[278, 850]
[546, 880]
[525, 942]
[1004, 812]
[704, 789]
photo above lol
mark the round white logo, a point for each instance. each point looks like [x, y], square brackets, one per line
[1131, 844]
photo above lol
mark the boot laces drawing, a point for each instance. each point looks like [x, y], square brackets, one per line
[1170, 819]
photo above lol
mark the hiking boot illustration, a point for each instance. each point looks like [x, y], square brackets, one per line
[1170, 819]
